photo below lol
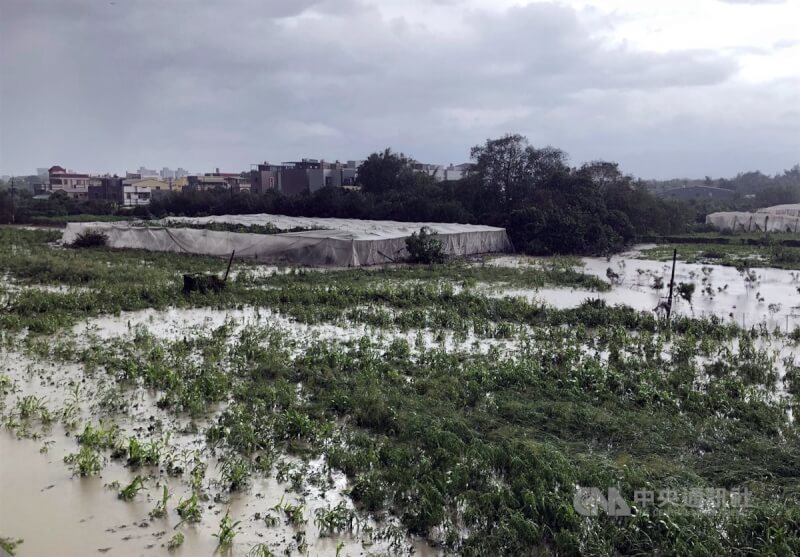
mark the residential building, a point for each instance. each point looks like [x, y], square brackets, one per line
[303, 176]
[265, 177]
[72, 184]
[149, 183]
[106, 188]
[148, 173]
[436, 171]
[134, 195]
[227, 180]
[456, 172]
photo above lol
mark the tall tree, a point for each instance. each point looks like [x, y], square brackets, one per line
[385, 171]
[511, 169]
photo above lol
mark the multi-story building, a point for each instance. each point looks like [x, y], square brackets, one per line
[134, 195]
[303, 176]
[456, 172]
[106, 188]
[148, 173]
[72, 184]
[212, 180]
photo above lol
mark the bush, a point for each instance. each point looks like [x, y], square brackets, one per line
[424, 247]
[90, 239]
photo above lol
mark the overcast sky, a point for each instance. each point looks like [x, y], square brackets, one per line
[667, 88]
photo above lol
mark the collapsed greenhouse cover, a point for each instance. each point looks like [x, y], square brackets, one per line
[297, 240]
[779, 218]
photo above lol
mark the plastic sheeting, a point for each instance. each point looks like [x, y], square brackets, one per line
[338, 242]
[780, 218]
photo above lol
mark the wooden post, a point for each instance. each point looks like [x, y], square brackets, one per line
[228, 270]
[671, 284]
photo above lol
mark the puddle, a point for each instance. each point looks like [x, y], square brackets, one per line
[58, 514]
[767, 296]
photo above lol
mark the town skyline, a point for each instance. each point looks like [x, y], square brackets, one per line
[683, 89]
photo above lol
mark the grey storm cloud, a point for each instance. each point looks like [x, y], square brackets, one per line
[199, 83]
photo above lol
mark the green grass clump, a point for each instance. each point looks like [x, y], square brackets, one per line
[740, 255]
[9, 545]
[86, 462]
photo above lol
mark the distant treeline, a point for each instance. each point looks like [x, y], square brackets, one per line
[751, 190]
[545, 205]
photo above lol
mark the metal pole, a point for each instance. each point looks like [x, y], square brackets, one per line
[671, 283]
[228, 270]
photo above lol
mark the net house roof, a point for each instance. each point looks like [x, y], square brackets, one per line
[339, 242]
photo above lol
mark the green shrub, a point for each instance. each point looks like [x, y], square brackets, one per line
[90, 239]
[424, 247]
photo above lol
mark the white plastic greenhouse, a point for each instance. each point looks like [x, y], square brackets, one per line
[780, 218]
[338, 242]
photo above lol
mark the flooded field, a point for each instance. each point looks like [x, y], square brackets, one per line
[409, 410]
[747, 297]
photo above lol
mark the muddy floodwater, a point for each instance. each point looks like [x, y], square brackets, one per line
[761, 295]
[59, 514]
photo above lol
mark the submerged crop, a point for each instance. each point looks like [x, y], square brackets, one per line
[480, 450]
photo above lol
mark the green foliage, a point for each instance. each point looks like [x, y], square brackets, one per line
[386, 172]
[175, 541]
[90, 239]
[235, 472]
[129, 492]
[189, 509]
[337, 519]
[227, 531]
[477, 449]
[160, 510]
[86, 462]
[295, 514]
[424, 247]
[260, 550]
[144, 454]
[546, 206]
[9, 545]
[686, 290]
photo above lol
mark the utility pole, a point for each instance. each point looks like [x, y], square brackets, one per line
[13, 208]
[671, 284]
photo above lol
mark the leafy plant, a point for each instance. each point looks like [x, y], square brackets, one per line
[227, 531]
[90, 239]
[260, 550]
[160, 510]
[129, 492]
[175, 541]
[337, 519]
[686, 291]
[189, 509]
[424, 247]
[9, 545]
[86, 462]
